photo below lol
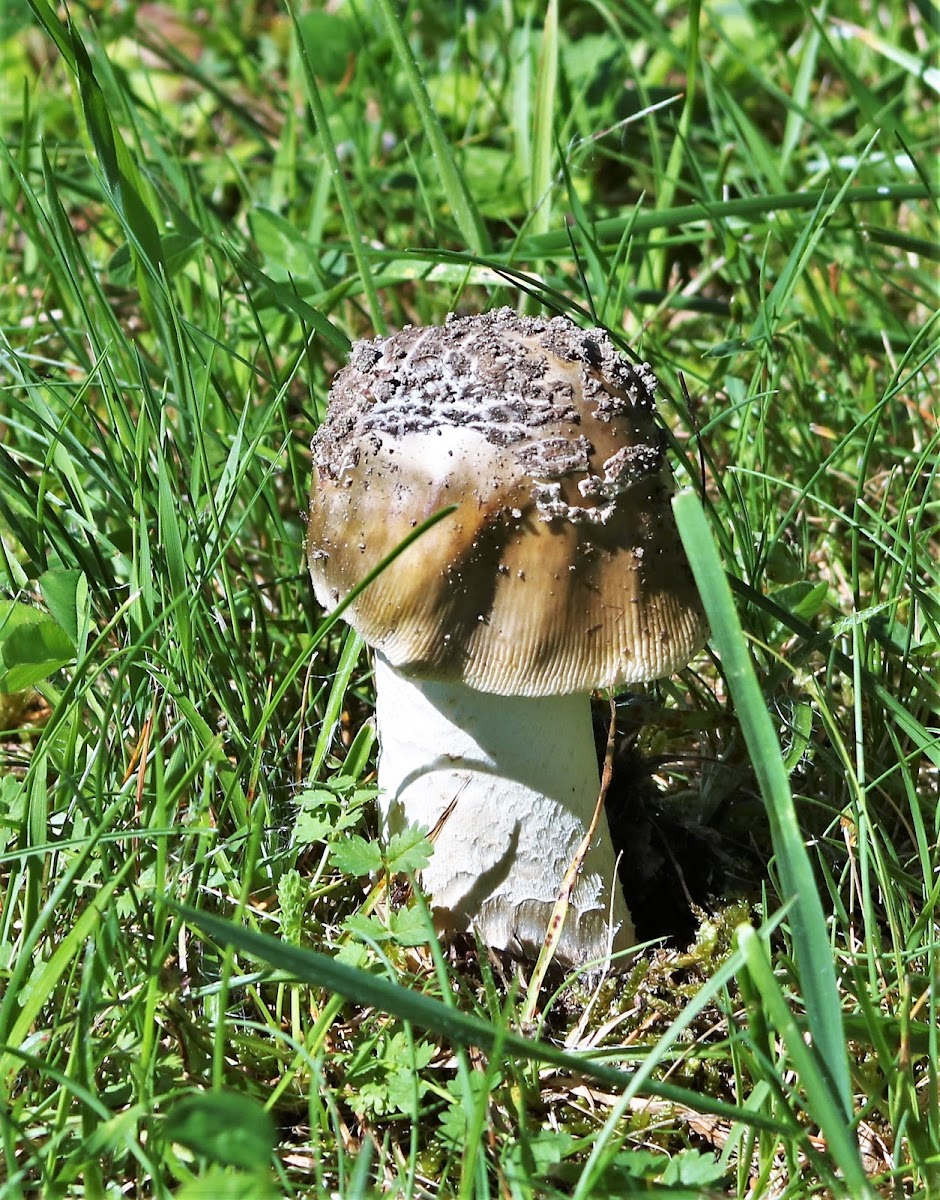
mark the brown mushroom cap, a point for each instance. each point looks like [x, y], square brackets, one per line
[561, 569]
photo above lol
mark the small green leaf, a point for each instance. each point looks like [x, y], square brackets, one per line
[220, 1184]
[356, 856]
[311, 799]
[352, 813]
[353, 954]
[403, 1081]
[311, 827]
[802, 599]
[287, 254]
[13, 613]
[409, 850]
[13, 796]
[329, 39]
[367, 929]
[32, 646]
[692, 1168]
[66, 597]
[410, 927]
[539, 1153]
[224, 1127]
[406, 927]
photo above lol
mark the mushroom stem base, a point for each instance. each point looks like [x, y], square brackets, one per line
[522, 775]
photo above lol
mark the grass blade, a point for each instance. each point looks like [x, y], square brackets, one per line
[453, 184]
[540, 183]
[808, 924]
[463, 1029]
[610, 230]
[824, 1106]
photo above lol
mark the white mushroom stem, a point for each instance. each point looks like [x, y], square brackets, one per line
[523, 772]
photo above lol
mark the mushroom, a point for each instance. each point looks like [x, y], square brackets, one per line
[559, 571]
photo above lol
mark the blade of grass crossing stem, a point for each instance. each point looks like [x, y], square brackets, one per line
[807, 921]
[453, 184]
[556, 922]
[824, 1107]
[461, 1028]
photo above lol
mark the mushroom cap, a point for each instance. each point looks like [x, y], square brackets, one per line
[561, 569]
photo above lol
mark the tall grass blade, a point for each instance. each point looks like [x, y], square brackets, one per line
[453, 184]
[540, 183]
[610, 230]
[463, 1029]
[820, 1100]
[812, 949]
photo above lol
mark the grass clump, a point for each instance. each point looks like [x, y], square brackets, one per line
[215, 980]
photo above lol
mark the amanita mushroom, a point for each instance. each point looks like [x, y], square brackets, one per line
[559, 572]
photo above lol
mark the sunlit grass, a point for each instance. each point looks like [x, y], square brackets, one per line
[200, 211]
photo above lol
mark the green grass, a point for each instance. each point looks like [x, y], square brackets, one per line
[201, 994]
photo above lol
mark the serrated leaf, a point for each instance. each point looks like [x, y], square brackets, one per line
[406, 927]
[410, 927]
[639, 1164]
[409, 850]
[353, 954]
[347, 819]
[692, 1168]
[225, 1127]
[344, 783]
[314, 798]
[541, 1151]
[368, 929]
[455, 1118]
[355, 856]
[311, 827]
[400, 1090]
[219, 1184]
